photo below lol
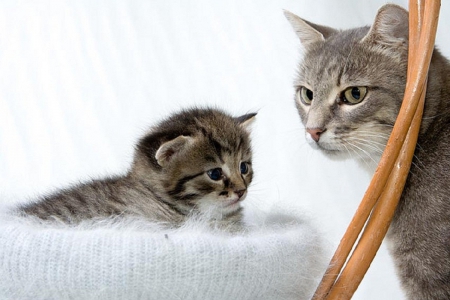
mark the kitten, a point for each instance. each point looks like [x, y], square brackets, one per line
[349, 90]
[198, 161]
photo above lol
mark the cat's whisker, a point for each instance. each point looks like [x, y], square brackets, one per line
[361, 150]
[372, 137]
[373, 132]
[363, 143]
[372, 144]
[373, 125]
[376, 134]
[362, 158]
[355, 150]
[346, 148]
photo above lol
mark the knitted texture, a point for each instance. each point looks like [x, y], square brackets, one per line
[129, 260]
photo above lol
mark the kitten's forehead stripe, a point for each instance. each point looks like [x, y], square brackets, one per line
[218, 147]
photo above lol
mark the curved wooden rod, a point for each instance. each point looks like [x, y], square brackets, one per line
[380, 219]
[387, 183]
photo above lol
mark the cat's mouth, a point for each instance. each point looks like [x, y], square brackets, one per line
[325, 147]
[326, 143]
[340, 149]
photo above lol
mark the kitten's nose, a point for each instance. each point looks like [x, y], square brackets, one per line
[240, 193]
[315, 133]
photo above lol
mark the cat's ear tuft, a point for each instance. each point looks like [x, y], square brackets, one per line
[308, 33]
[168, 149]
[245, 120]
[390, 27]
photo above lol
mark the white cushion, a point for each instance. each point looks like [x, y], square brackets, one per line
[280, 258]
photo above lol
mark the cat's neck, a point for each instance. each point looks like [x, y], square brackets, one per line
[437, 102]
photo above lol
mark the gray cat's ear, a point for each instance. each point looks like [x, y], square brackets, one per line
[245, 120]
[308, 32]
[390, 27]
[168, 149]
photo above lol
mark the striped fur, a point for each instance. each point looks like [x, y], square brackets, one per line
[374, 60]
[169, 179]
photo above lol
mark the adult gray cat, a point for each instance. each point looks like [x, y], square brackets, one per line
[196, 161]
[349, 88]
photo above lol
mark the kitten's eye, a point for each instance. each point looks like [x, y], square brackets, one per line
[305, 95]
[215, 174]
[354, 95]
[244, 168]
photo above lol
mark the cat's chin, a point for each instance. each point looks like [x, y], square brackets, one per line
[366, 163]
[330, 152]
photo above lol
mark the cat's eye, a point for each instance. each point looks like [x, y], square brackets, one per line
[354, 95]
[215, 174]
[305, 95]
[244, 168]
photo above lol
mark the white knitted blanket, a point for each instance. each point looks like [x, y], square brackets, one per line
[278, 259]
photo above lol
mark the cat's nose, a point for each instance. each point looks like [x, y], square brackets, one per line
[315, 133]
[240, 193]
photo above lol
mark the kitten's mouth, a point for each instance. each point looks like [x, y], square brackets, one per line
[235, 202]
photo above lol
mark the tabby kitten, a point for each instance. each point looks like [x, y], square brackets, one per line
[198, 161]
[350, 88]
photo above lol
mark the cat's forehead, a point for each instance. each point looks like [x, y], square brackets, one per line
[339, 59]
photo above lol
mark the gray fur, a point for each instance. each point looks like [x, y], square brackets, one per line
[376, 58]
[168, 181]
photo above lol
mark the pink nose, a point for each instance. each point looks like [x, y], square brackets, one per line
[315, 133]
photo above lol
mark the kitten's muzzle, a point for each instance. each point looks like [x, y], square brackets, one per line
[315, 133]
[239, 193]
[240, 196]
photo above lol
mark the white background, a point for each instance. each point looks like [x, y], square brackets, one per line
[81, 81]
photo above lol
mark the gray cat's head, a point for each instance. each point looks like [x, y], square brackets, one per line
[350, 83]
[198, 160]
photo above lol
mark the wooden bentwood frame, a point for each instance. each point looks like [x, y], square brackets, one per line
[381, 198]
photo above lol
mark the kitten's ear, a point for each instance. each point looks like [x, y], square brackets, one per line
[245, 120]
[168, 149]
[390, 27]
[308, 32]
